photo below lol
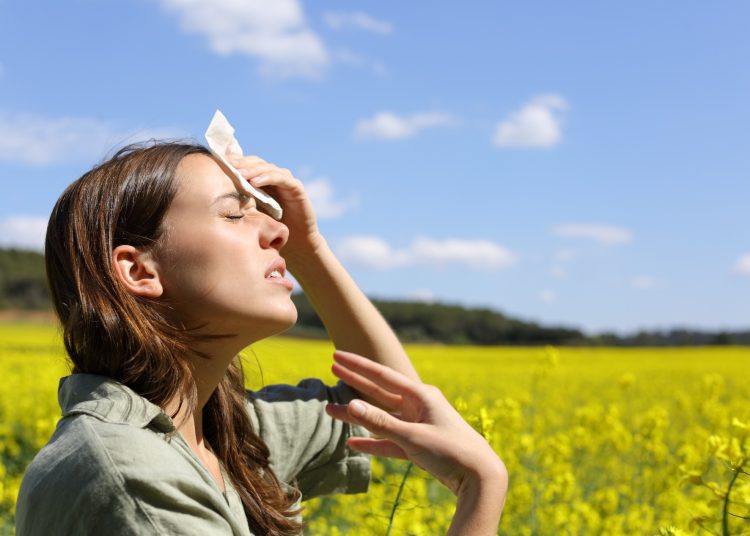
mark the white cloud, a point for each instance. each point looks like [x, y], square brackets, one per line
[547, 296]
[389, 126]
[40, 141]
[371, 251]
[536, 124]
[423, 295]
[321, 194]
[479, 254]
[35, 140]
[374, 252]
[275, 32]
[346, 56]
[25, 232]
[643, 282]
[742, 266]
[604, 234]
[358, 20]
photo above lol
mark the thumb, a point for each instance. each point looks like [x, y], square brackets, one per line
[375, 419]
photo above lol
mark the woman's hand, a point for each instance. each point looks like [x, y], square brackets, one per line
[422, 426]
[304, 236]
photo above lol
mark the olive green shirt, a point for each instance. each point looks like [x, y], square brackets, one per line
[115, 464]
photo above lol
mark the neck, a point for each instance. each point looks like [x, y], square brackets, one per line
[208, 372]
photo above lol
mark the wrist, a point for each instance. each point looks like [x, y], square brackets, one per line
[480, 502]
[299, 255]
[489, 476]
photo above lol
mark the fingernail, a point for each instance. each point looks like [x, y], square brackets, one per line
[357, 408]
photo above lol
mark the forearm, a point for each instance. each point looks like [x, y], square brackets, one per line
[352, 321]
[479, 506]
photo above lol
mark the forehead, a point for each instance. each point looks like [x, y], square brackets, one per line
[200, 179]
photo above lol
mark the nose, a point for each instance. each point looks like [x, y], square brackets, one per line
[273, 234]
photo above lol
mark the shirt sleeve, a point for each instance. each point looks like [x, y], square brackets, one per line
[308, 447]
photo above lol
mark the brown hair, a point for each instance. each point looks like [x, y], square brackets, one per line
[110, 332]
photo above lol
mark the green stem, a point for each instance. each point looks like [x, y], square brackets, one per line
[725, 514]
[398, 498]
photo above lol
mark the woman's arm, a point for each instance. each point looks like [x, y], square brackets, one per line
[352, 321]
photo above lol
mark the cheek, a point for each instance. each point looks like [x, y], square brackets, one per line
[207, 266]
[186, 266]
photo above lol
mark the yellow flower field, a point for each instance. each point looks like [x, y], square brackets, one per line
[597, 441]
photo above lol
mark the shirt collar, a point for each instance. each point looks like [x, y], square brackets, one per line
[109, 401]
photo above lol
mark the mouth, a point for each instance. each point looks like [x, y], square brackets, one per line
[276, 274]
[276, 270]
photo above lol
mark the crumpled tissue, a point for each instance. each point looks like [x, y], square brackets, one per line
[223, 144]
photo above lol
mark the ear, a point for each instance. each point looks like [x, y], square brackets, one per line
[137, 271]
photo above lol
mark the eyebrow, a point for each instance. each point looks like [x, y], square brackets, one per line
[231, 195]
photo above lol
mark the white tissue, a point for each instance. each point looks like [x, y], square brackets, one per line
[222, 143]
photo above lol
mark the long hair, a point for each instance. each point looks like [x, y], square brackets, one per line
[131, 339]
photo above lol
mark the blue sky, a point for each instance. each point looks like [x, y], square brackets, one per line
[579, 163]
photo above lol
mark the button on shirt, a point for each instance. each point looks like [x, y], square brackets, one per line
[116, 465]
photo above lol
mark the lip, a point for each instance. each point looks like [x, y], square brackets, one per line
[280, 266]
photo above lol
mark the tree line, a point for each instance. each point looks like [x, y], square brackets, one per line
[454, 324]
[23, 282]
[23, 286]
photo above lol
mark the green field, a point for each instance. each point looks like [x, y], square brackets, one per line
[597, 441]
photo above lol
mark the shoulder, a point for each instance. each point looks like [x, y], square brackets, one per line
[96, 477]
[72, 479]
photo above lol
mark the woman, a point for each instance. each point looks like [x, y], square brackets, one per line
[161, 272]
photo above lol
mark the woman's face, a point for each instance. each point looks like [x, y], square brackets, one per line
[219, 259]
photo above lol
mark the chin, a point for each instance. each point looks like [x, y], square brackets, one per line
[289, 321]
[277, 321]
[252, 325]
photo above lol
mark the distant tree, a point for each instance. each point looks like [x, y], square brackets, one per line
[23, 283]
[722, 339]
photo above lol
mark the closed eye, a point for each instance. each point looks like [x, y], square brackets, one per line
[247, 206]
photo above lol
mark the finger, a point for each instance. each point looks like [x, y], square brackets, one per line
[237, 161]
[250, 171]
[377, 447]
[381, 375]
[366, 387]
[338, 411]
[374, 419]
[266, 179]
[278, 178]
[341, 412]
